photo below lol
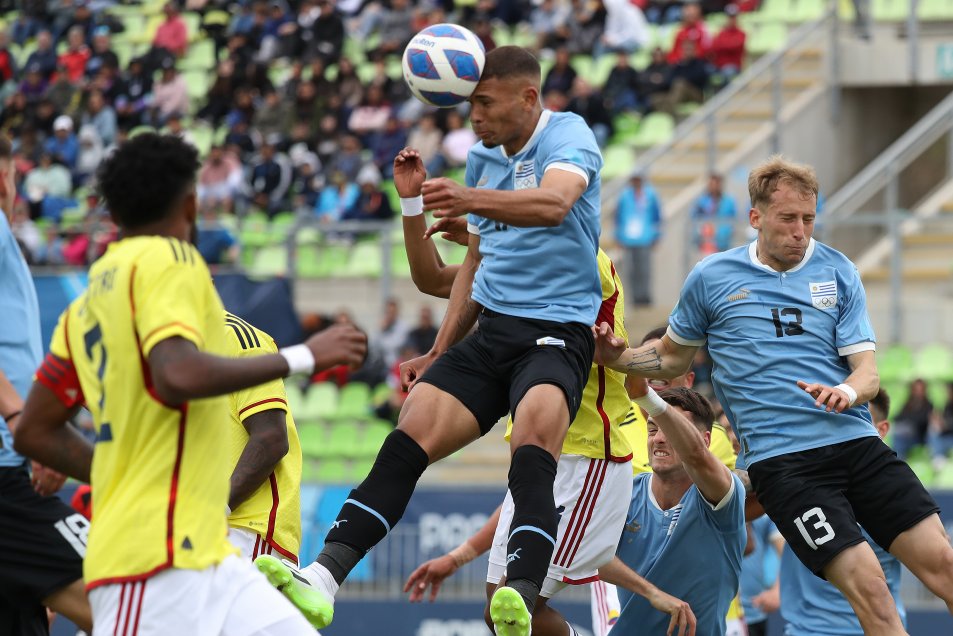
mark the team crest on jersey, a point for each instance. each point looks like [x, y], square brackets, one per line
[824, 295]
[524, 175]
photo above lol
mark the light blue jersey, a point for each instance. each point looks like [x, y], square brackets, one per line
[759, 570]
[21, 346]
[692, 551]
[766, 330]
[543, 273]
[813, 607]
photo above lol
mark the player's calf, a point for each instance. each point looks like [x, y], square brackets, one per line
[856, 572]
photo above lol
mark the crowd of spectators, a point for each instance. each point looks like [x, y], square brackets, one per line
[299, 124]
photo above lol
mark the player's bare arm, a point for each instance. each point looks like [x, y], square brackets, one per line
[435, 571]
[545, 206]
[267, 445]
[661, 359]
[863, 380]
[181, 372]
[11, 404]
[619, 574]
[461, 314]
[45, 435]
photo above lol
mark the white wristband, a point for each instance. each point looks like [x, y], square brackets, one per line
[413, 206]
[299, 359]
[849, 390]
[651, 403]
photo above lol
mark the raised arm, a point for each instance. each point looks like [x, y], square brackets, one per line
[660, 359]
[619, 574]
[858, 388]
[545, 206]
[428, 271]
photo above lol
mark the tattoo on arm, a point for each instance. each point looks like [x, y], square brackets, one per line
[649, 360]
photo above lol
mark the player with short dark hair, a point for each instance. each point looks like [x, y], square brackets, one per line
[786, 323]
[531, 278]
[145, 344]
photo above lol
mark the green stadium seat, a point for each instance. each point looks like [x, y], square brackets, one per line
[354, 401]
[894, 363]
[332, 471]
[342, 440]
[197, 84]
[934, 362]
[655, 128]
[923, 469]
[890, 10]
[617, 161]
[193, 25]
[270, 260]
[935, 10]
[138, 130]
[944, 477]
[770, 36]
[399, 265]
[626, 127]
[898, 391]
[333, 260]
[365, 260]
[295, 398]
[380, 394]
[373, 438]
[937, 393]
[388, 188]
[806, 10]
[309, 471]
[282, 223]
[311, 436]
[200, 56]
[201, 138]
[320, 401]
[308, 261]
[360, 468]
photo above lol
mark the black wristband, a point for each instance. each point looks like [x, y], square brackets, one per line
[7, 418]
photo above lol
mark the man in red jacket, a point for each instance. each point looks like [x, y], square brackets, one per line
[728, 47]
[693, 30]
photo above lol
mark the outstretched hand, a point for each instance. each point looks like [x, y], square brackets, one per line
[826, 397]
[409, 173]
[431, 573]
[683, 619]
[445, 198]
[454, 229]
[609, 347]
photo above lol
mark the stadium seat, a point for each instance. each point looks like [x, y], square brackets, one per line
[360, 468]
[937, 393]
[200, 56]
[342, 440]
[626, 126]
[617, 160]
[934, 362]
[768, 37]
[935, 10]
[333, 259]
[399, 265]
[923, 470]
[944, 477]
[655, 128]
[332, 471]
[365, 260]
[806, 10]
[898, 392]
[308, 261]
[373, 437]
[311, 436]
[890, 10]
[201, 137]
[197, 84]
[320, 401]
[354, 401]
[380, 394]
[269, 261]
[295, 397]
[894, 363]
[309, 471]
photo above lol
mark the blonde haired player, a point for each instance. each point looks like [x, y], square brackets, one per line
[147, 346]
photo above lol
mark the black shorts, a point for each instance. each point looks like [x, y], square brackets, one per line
[42, 543]
[817, 497]
[492, 369]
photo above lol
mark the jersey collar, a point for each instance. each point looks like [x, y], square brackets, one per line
[543, 120]
[753, 255]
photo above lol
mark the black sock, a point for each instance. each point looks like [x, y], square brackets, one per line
[535, 522]
[374, 507]
[339, 559]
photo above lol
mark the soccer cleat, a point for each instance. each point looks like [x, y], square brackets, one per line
[509, 614]
[290, 581]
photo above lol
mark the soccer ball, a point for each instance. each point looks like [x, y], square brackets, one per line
[442, 64]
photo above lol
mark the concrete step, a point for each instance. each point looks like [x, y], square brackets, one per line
[930, 239]
[912, 274]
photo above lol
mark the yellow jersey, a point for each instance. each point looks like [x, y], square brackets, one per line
[274, 509]
[596, 432]
[160, 481]
[636, 431]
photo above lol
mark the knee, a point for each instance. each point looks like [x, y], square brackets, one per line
[871, 592]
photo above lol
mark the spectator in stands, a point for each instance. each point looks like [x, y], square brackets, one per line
[215, 242]
[621, 90]
[34, 84]
[273, 116]
[586, 25]
[455, 147]
[394, 26]
[101, 117]
[275, 41]
[728, 47]
[102, 53]
[547, 21]
[371, 115]
[560, 77]
[91, 152]
[221, 94]
[43, 59]
[306, 180]
[135, 96]
[371, 203]
[626, 30]
[172, 35]
[423, 335]
[637, 229]
[349, 85]
[26, 232]
[50, 251]
[24, 28]
[483, 29]
[8, 67]
[44, 116]
[74, 58]
[14, 116]
[63, 145]
[714, 215]
[327, 33]
[426, 137]
[48, 187]
[385, 144]
[82, 17]
[336, 198]
[693, 30]
[270, 178]
[170, 95]
[689, 77]
[348, 160]
[393, 333]
[588, 104]
[913, 421]
[941, 431]
[220, 180]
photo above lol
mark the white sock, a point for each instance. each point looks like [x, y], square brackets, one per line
[321, 578]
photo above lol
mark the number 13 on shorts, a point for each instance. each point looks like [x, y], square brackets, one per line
[819, 526]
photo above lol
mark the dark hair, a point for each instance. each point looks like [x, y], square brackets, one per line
[881, 402]
[145, 176]
[6, 147]
[505, 62]
[655, 334]
[693, 402]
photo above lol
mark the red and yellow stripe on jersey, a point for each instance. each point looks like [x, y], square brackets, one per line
[274, 509]
[159, 478]
[605, 401]
[635, 429]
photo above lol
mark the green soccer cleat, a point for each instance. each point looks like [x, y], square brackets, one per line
[509, 614]
[289, 580]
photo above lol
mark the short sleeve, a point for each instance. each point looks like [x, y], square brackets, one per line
[57, 371]
[728, 515]
[243, 341]
[688, 322]
[172, 296]
[58, 345]
[853, 332]
[573, 149]
[473, 224]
